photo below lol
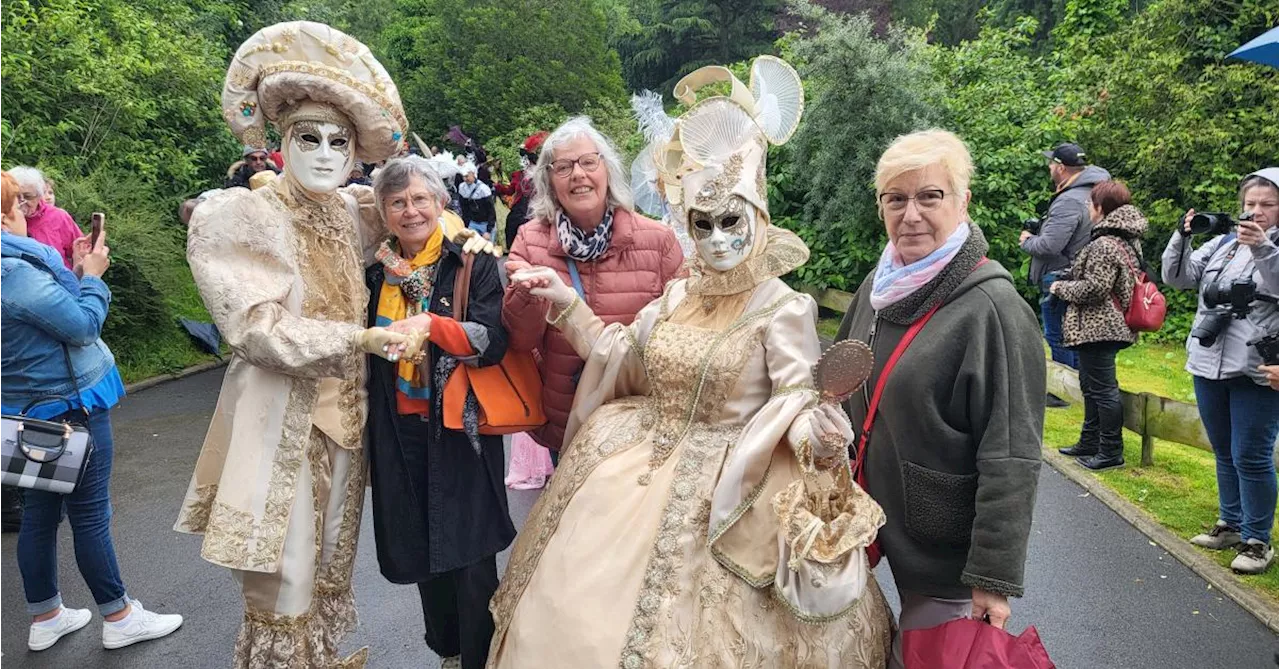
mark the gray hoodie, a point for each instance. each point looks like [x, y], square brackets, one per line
[1066, 227]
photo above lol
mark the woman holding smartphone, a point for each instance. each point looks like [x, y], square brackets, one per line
[50, 325]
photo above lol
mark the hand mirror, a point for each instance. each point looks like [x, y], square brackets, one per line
[842, 370]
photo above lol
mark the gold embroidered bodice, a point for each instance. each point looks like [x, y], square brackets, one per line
[692, 371]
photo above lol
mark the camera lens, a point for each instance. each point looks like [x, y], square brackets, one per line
[1210, 224]
[1207, 331]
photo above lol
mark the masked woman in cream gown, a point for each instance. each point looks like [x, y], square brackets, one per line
[657, 543]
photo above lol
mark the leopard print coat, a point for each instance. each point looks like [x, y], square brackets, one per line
[1102, 281]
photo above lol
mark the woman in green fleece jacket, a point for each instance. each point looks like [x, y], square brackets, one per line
[955, 450]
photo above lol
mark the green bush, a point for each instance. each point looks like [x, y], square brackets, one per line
[151, 285]
[860, 92]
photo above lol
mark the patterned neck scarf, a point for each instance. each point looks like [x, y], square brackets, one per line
[896, 280]
[406, 289]
[581, 246]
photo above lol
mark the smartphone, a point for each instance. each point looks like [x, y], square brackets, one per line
[95, 226]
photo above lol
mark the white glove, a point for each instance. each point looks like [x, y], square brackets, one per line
[830, 431]
[545, 283]
[381, 342]
[472, 242]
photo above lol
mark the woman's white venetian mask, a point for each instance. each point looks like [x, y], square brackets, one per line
[724, 239]
[320, 155]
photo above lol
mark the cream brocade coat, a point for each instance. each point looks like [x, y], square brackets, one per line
[285, 286]
[654, 544]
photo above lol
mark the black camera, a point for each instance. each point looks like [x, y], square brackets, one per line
[1215, 223]
[1226, 300]
[1229, 301]
[1269, 348]
[1236, 296]
[1032, 225]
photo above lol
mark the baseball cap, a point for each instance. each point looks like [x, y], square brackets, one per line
[1068, 154]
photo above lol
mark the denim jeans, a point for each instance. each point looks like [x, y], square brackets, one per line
[89, 510]
[481, 227]
[1103, 413]
[1241, 419]
[1052, 311]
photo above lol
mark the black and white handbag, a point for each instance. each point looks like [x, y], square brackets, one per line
[43, 454]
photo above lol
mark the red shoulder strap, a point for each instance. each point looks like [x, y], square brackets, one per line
[898, 350]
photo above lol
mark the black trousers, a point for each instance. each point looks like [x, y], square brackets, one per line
[455, 607]
[1103, 412]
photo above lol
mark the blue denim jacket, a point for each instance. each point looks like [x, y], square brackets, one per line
[37, 316]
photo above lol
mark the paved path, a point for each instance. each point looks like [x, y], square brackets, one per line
[1100, 594]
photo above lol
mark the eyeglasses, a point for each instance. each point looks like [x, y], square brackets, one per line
[562, 168]
[926, 200]
[420, 203]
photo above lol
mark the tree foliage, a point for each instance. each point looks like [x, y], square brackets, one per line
[481, 64]
[860, 92]
[672, 38]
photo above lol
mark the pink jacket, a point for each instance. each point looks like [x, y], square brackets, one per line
[54, 227]
[643, 256]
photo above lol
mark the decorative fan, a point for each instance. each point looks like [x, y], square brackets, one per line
[714, 129]
[779, 97]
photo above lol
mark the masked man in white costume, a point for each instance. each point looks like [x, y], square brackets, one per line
[666, 537]
[279, 485]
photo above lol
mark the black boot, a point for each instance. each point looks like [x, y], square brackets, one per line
[1110, 456]
[1054, 402]
[10, 509]
[1078, 450]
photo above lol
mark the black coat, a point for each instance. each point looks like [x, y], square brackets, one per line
[437, 506]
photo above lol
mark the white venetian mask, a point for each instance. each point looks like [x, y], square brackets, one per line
[320, 155]
[724, 239]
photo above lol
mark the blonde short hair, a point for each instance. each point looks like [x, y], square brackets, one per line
[918, 150]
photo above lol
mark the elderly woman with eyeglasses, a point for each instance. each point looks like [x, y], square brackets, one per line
[46, 223]
[954, 449]
[439, 505]
[583, 224]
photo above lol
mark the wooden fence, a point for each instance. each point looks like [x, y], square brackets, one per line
[1149, 415]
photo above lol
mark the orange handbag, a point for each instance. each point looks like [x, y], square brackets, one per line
[509, 393]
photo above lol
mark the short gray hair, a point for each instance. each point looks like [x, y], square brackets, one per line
[396, 175]
[29, 176]
[544, 203]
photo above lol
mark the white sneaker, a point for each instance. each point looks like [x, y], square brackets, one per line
[1254, 558]
[139, 625]
[46, 633]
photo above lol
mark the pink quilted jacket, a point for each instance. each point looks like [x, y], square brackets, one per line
[643, 256]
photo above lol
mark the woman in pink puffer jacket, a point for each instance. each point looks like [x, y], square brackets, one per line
[582, 219]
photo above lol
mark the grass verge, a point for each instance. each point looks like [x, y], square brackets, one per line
[1180, 491]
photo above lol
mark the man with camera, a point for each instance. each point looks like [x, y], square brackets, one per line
[1054, 240]
[1232, 343]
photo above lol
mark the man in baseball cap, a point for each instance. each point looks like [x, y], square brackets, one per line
[1067, 154]
[1060, 235]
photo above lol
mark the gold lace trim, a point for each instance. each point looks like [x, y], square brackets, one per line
[195, 516]
[564, 315]
[270, 640]
[783, 253]
[227, 534]
[659, 578]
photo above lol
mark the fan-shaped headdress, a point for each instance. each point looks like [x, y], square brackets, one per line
[716, 150]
